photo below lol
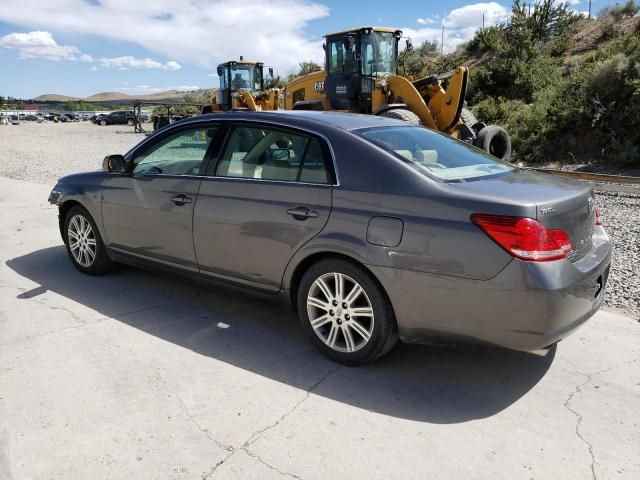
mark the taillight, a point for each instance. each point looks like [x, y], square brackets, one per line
[524, 238]
[598, 217]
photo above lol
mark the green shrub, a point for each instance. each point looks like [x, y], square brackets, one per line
[618, 12]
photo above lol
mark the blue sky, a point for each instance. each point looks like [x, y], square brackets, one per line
[81, 47]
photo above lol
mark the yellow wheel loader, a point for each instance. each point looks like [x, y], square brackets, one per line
[242, 87]
[361, 75]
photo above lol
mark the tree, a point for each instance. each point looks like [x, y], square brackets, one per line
[548, 19]
[305, 68]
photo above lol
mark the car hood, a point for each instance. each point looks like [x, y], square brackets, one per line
[83, 178]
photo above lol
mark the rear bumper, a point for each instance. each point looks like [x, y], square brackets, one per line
[526, 306]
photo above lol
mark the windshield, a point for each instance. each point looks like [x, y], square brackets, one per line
[245, 76]
[435, 154]
[379, 52]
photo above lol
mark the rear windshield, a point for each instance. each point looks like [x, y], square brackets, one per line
[435, 154]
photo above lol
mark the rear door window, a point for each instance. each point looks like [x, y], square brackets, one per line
[435, 154]
[273, 154]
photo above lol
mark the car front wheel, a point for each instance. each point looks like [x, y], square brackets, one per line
[345, 312]
[84, 244]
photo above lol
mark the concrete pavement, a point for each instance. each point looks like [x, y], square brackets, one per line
[133, 375]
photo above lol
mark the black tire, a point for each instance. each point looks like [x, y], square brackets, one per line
[494, 140]
[130, 122]
[402, 114]
[101, 263]
[383, 335]
[103, 123]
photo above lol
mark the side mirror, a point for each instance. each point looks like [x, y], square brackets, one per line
[271, 72]
[409, 44]
[113, 164]
[220, 71]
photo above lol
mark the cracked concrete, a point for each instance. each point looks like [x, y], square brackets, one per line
[567, 403]
[138, 376]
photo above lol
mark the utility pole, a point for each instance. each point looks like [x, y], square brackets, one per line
[442, 42]
[589, 10]
[483, 21]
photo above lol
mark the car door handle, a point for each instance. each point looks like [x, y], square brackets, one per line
[181, 199]
[302, 213]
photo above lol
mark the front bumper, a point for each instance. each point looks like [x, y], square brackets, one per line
[526, 306]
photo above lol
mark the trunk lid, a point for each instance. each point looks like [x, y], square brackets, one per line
[560, 203]
[575, 216]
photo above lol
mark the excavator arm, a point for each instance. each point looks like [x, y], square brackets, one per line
[445, 105]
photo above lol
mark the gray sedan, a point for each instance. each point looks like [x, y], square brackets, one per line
[372, 229]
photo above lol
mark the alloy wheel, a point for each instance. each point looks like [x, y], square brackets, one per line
[82, 241]
[340, 312]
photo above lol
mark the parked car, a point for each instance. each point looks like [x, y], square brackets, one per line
[14, 119]
[117, 118]
[372, 229]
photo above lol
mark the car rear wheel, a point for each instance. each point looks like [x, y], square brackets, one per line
[130, 122]
[345, 312]
[84, 244]
[103, 122]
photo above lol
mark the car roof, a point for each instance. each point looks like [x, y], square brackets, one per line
[307, 118]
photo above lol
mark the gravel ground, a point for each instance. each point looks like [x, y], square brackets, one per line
[41, 153]
[621, 218]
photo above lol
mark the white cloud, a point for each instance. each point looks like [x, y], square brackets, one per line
[203, 32]
[128, 62]
[460, 24]
[574, 2]
[426, 21]
[41, 45]
[471, 15]
[172, 65]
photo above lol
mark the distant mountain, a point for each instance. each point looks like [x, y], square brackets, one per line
[118, 96]
[53, 97]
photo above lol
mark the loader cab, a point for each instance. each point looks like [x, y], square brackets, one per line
[235, 76]
[353, 61]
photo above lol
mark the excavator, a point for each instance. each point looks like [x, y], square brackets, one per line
[242, 87]
[361, 75]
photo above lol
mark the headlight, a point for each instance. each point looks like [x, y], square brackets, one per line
[54, 196]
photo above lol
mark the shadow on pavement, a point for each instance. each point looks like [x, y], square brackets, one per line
[438, 385]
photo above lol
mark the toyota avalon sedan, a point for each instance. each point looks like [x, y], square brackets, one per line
[372, 229]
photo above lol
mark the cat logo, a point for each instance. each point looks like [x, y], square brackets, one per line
[319, 86]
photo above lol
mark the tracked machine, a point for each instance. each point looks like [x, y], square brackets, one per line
[361, 75]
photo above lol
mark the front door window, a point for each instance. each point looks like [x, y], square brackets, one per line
[182, 153]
